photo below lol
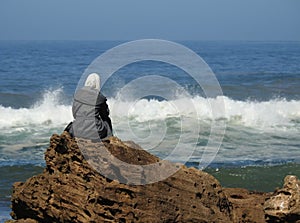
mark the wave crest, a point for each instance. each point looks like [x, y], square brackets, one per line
[47, 111]
[50, 111]
[277, 112]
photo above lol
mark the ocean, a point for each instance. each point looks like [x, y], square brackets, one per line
[260, 83]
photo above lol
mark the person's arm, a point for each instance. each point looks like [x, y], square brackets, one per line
[104, 111]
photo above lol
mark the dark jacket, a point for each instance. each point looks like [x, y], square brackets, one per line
[91, 115]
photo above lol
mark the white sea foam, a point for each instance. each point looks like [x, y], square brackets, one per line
[51, 112]
[46, 112]
[277, 112]
[158, 125]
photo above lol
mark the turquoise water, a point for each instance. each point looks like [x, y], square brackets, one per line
[264, 178]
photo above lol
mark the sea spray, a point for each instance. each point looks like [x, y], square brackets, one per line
[275, 113]
[49, 111]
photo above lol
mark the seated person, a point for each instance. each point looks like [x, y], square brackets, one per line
[90, 112]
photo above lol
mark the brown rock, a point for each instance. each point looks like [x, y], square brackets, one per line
[27, 220]
[71, 190]
[284, 204]
[247, 205]
[81, 184]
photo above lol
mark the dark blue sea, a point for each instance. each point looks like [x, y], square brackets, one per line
[261, 94]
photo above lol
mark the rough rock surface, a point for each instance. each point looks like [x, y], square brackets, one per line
[247, 205]
[284, 204]
[71, 190]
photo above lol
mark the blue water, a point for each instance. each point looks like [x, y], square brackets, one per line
[260, 83]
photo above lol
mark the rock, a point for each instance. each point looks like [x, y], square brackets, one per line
[27, 220]
[81, 184]
[71, 190]
[247, 205]
[284, 204]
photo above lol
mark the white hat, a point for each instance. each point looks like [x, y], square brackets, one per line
[93, 81]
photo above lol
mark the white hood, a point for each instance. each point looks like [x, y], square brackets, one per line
[93, 81]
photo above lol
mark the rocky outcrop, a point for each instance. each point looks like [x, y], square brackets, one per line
[80, 184]
[284, 204]
[70, 190]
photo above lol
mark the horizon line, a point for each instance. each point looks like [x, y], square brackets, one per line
[174, 40]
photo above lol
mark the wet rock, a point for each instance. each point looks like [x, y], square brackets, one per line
[284, 204]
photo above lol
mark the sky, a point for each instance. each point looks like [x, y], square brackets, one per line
[250, 20]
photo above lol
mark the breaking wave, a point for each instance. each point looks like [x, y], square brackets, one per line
[50, 111]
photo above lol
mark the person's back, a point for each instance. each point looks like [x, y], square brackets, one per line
[90, 112]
